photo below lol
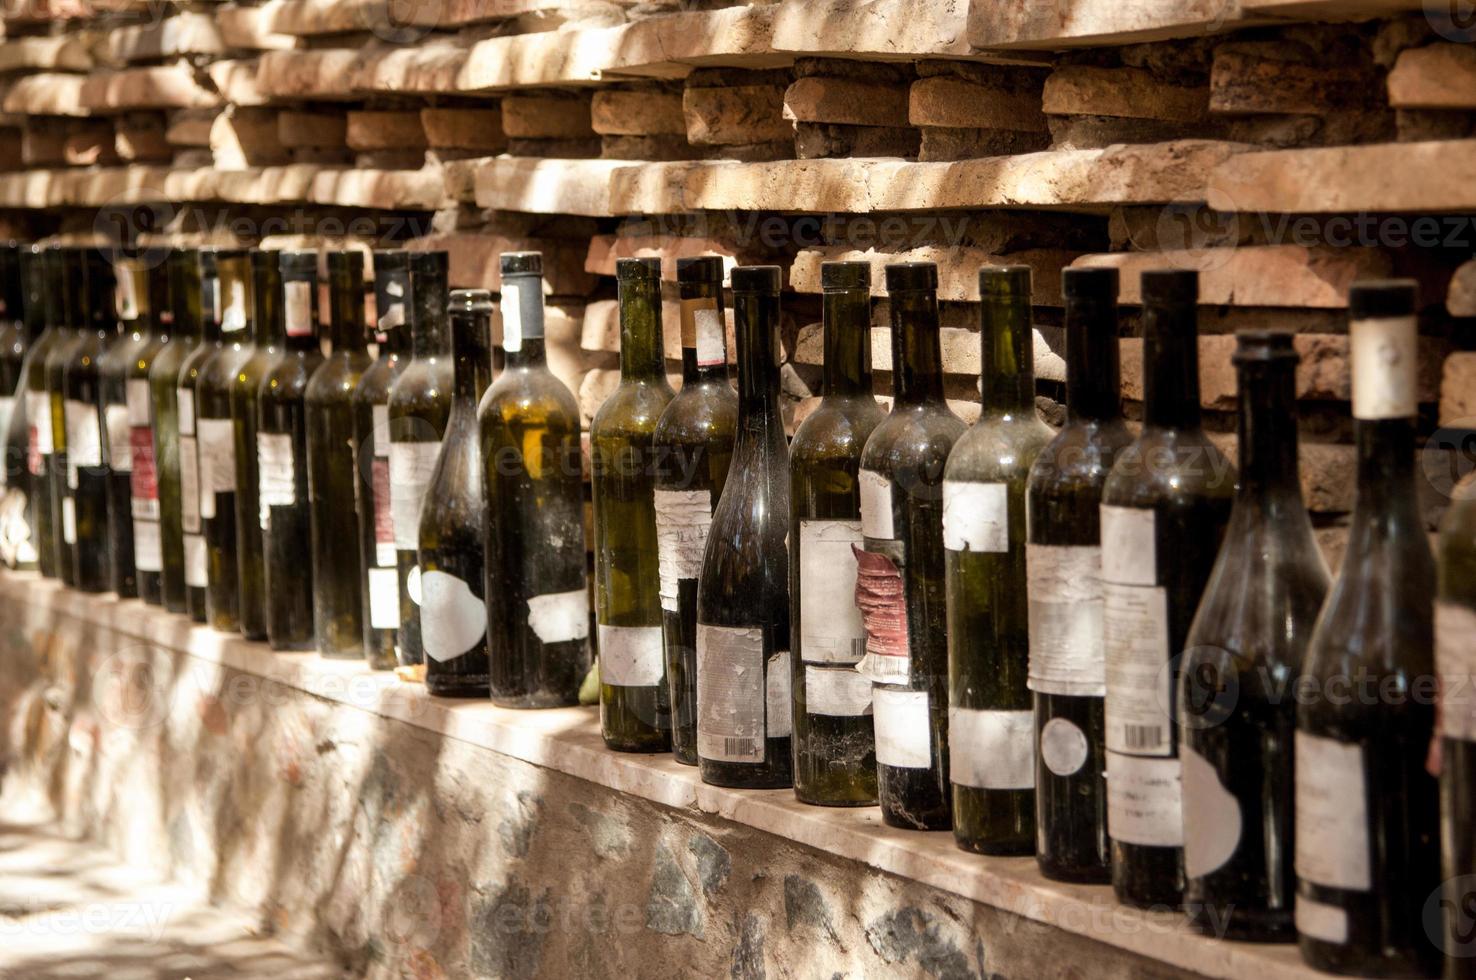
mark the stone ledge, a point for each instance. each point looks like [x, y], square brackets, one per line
[568, 741]
[422, 189]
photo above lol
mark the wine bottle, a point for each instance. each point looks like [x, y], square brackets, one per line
[337, 604]
[284, 515]
[744, 714]
[991, 726]
[268, 329]
[73, 309]
[635, 710]
[85, 500]
[419, 405]
[536, 585]
[13, 341]
[379, 583]
[453, 617]
[135, 344]
[40, 440]
[1455, 660]
[173, 379]
[19, 545]
[1367, 810]
[694, 441]
[834, 737]
[1243, 654]
[1063, 565]
[216, 441]
[1164, 510]
[899, 567]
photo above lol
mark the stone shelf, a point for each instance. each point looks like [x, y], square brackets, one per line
[567, 741]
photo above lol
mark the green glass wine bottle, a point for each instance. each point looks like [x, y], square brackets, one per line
[1063, 564]
[834, 737]
[337, 604]
[419, 405]
[635, 710]
[537, 585]
[216, 440]
[154, 425]
[85, 500]
[991, 724]
[453, 617]
[1455, 661]
[19, 541]
[268, 328]
[379, 585]
[1164, 511]
[14, 338]
[73, 309]
[899, 568]
[196, 339]
[694, 440]
[40, 440]
[284, 513]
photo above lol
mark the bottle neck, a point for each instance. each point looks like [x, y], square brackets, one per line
[268, 327]
[346, 314]
[1268, 431]
[1171, 367]
[847, 326]
[917, 358]
[1007, 373]
[1386, 472]
[429, 334]
[522, 320]
[1093, 374]
[640, 330]
[756, 318]
[471, 357]
[704, 333]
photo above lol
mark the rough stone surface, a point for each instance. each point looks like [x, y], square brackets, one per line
[1263, 77]
[637, 112]
[464, 129]
[813, 141]
[1440, 76]
[142, 138]
[946, 144]
[735, 114]
[851, 101]
[366, 131]
[957, 103]
[546, 117]
[1458, 390]
[241, 138]
[320, 130]
[1461, 298]
[154, 87]
[1082, 90]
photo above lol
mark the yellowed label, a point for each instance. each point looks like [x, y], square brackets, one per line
[689, 312]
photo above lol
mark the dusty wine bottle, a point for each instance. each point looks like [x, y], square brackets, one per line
[74, 309]
[196, 340]
[40, 440]
[267, 326]
[18, 505]
[1455, 660]
[85, 500]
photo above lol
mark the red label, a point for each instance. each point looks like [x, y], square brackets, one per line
[384, 528]
[882, 599]
[143, 482]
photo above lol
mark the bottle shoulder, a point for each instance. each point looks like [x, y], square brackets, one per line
[633, 409]
[1170, 467]
[1079, 456]
[998, 448]
[336, 378]
[837, 428]
[422, 383]
[913, 436]
[701, 413]
[286, 379]
[377, 380]
[523, 391]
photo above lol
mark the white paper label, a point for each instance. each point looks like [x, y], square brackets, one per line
[84, 438]
[384, 599]
[452, 619]
[276, 474]
[217, 452]
[1318, 920]
[69, 520]
[189, 485]
[411, 466]
[832, 630]
[379, 418]
[1386, 361]
[393, 316]
[991, 749]
[976, 516]
[186, 399]
[138, 400]
[1129, 546]
[1063, 747]
[120, 449]
[1332, 845]
[1455, 660]
[512, 317]
[1064, 583]
[1212, 820]
[838, 692]
[297, 308]
[125, 293]
[778, 695]
[732, 695]
[904, 732]
[711, 337]
[1135, 633]
[559, 617]
[194, 561]
[38, 416]
[1144, 801]
[233, 315]
[876, 505]
[631, 656]
[683, 518]
[148, 552]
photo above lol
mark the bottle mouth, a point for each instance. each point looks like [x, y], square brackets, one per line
[1381, 299]
[1264, 347]
[700, 269]
[757, 279]
[911, 276]
[845, 275]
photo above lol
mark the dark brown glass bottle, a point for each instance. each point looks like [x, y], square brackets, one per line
[40, 440]
[1367, 809]
[453, 616]
[1455, 659]
[694, 442]
[834, 738]
[899, 579]
[1063, 562]
[197, 339]
[85, 499]
[266, 299]
[18, 508]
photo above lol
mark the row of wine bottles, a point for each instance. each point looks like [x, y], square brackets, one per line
[1100, 648]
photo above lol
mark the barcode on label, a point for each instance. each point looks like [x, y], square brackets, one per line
[1142, 737]
[741, 748]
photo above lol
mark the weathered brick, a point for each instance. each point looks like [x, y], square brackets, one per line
[1082, 90]
[814, 141]
[370, 130]
[845, 100]
[244, 137]
[141, 138]
[735, 114]
[1460, 300]
[1268, 77]
[1434, 176]
[190, 127]
[637, 112]
[546, 117]
[1458, 390]
[154, 87]
[941, 144]
[74, 143]
[297, 128]
[955, 103]
[1439, 76]
[464, 129]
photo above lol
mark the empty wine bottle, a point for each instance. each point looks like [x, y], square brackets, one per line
[1063, 561]
[40, 440]
[337, 604]
[419, 405]
[1367, 810]
[73, 309]
[14, 526]
[85, 500]
[216, 441]
[19, 543]
[834, 738]
[1164, 510]
[899, 574]
[379, 583]
[744, 715]
[991, 726]
[284, 516]
[453, 616]
[1244, 653]
[694, 442]
[176, 369]
[536, 586]
[268, 329]
[635, 710]
[1455, 659]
